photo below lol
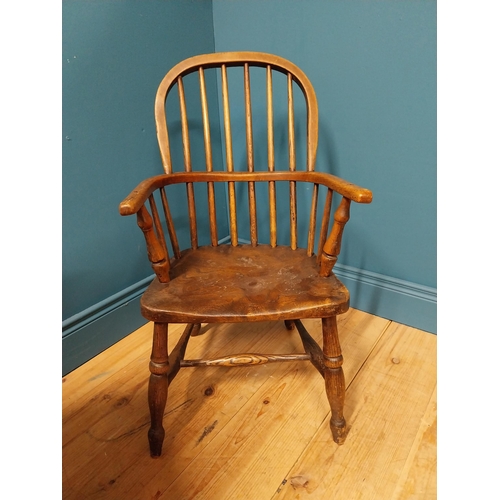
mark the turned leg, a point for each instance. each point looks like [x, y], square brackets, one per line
[158, 387]
[334, 378]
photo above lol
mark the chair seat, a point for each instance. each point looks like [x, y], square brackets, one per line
[243, 283]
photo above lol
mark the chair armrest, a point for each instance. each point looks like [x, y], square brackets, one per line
[133, 202]
[136, 199]
[344, 188]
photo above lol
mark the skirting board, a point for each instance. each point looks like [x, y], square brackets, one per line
[391, 298]
[87, 334]
[90, 332]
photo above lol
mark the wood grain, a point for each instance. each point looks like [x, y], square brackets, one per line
[385, 406]
[114, 421]
[242, 433]
[263, 439]
[419, 476]
[133, 202]
[266, 420]
[251, 284]
[229, 59]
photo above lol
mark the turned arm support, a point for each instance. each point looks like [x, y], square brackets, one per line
[331, 248]
[349, 192]
[156, 253]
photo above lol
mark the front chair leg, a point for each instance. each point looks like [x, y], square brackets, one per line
[158, 387]
[334, 378]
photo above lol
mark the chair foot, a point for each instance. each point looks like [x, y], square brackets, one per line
[158, 390]
[156, 437]
[339, 430]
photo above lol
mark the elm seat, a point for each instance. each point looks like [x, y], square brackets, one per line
[204, 281]
[243, 283]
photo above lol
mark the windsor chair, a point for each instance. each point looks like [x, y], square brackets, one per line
[234, 281]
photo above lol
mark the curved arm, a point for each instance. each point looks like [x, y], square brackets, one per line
[140, 194]
[136, 199]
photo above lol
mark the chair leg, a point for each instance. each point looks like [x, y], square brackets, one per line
[290, 325]
[334, 378]
[158, 387]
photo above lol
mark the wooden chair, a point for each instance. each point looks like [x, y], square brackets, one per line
[234, 282]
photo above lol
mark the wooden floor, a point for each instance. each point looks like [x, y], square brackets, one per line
[257, 432]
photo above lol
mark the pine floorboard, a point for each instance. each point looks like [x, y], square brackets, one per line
[257, 432]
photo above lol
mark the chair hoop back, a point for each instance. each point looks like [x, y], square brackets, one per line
[246, 60]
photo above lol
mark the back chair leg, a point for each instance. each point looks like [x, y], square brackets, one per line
[158, 387]
[334, 378]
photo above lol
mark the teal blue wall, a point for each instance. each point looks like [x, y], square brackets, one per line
[114, 55]
[373, 65]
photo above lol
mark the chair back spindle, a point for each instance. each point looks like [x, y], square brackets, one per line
[209, 160]
[325, 221]
[184, 125]
[199, 66]
[250, 158]
[270, 157]
[157, 225]
[233, 226]
[170, 224]
[312, 221]
[187, 163]
[293, 165]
